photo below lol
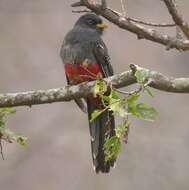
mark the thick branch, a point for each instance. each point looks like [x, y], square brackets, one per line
[67, 93]
[139, 30]
[178, 19]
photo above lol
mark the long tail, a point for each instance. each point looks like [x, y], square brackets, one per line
[101, 128]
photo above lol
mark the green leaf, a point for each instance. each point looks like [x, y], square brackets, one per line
[11, 136]
[100, 87]
[141, 75]
[122, 129]
[146, 112]
[7, 110]
[2, 124]
[141, 110]
[4, 112]
[114, 98]
[132, 99]
[21, 140]
[114, 95]
[149, 92]
[118, 108]
[106, 99]
[95, 114]
[112, 148]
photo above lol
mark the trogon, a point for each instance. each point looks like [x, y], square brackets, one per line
[85, 58]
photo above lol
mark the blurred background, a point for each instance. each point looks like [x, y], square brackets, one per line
[58, 154]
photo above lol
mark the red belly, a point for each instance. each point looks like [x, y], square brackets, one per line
[79, 73]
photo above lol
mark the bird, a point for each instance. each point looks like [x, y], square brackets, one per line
[85, 58]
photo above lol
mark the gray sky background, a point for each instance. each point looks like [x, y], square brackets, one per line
[58, 155]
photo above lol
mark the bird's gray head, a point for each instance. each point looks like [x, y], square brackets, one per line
[91, 21]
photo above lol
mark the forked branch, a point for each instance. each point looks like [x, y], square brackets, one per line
[137, 27]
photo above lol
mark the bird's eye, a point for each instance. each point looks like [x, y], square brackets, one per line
[91, 22]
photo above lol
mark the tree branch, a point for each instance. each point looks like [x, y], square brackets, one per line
[163, 25]
[141, 31]
[67, 93]
[103, 4]
[178, 19]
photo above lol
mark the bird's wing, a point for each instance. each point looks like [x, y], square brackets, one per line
[101, 54]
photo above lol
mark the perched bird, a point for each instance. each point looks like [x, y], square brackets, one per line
[85, 58]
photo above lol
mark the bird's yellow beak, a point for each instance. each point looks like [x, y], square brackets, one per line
[102, 26]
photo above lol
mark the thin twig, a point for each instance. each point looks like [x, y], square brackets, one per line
[81, 11]
[123, 9]
[151, 23]
[134, 91]
[143, 33]
[122, 92]
[103, 4]
[177, 17]
[178, 33]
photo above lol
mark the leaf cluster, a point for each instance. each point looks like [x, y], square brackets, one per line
[124, 107]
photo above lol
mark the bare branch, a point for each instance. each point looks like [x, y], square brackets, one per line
[67, 93]
[178, 19]
[104, 4]
[123, 9]
[77, 4]
[81, 11]
[141, 32]
[150, 23]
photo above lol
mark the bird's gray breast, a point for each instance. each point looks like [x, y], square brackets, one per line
[78, 46]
